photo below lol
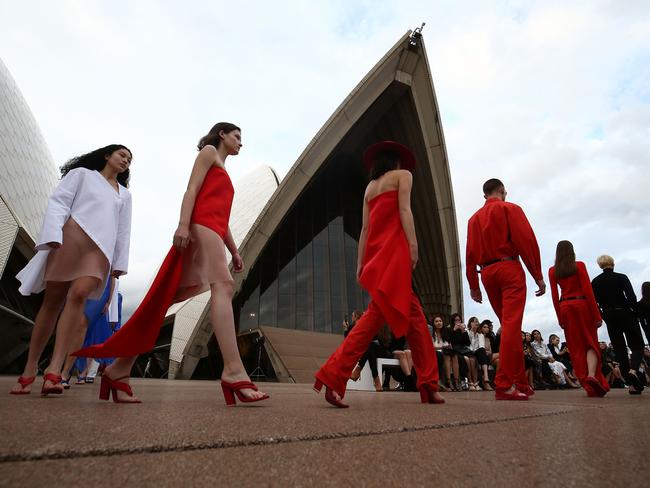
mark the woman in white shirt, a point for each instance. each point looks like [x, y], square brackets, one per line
[479, 358]
[84, 240]
[542, 351]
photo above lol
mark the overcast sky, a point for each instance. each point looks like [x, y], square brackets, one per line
[552, 97]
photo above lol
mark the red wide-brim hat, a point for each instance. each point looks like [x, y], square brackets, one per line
[406, 157]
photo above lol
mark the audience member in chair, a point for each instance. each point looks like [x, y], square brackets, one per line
[447, 361]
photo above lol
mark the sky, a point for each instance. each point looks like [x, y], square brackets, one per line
[552, 97]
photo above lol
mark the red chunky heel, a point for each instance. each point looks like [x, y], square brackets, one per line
[109, 386]
[24, 381]
[329, 395]
[429, 395]
[230, 390]
[56, 388]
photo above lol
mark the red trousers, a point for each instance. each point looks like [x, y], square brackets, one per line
[505, 285]
[581, 335]
[336, 371]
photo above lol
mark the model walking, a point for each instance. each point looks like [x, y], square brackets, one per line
[497, 235]
[196, 263]
[388, 254]
[579, 316]
[84, 239]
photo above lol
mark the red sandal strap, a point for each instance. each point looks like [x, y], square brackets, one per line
[241, 385]
[26, 380]
[120, 385]
[54, 378]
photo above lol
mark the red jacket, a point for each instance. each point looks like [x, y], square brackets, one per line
[500, 230]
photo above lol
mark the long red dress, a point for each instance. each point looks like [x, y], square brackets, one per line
[139, 334]
[578, 316]
[386, 276]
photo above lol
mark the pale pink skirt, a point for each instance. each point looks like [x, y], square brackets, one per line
[204, 263]
[77, 257]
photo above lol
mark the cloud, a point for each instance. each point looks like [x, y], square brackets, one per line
[550, 96]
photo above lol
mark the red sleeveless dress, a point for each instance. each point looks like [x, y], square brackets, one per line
[386, 271]
[175, 280]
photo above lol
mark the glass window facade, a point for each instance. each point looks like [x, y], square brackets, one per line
[306, 276]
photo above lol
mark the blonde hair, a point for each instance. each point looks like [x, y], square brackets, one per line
[605, 261]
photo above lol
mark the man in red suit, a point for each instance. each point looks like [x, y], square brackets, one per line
[499, 234]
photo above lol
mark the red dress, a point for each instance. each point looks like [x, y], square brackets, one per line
[386, 275]
[139, 334]
[578, 317]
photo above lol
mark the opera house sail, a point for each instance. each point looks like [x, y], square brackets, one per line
[27, 177]
[301, 253]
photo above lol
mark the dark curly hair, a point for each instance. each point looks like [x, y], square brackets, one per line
[213, 138]
[96, 160]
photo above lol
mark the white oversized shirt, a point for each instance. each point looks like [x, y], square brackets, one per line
[103, 213]
[477, 340]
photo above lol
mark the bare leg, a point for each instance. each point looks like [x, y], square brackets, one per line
[69, 361]
[70, 322]
[592, 362]
[448, 369]
[472, 371]
[223, 324]
[409, 359]
[455, 368]
[403, 361]
[53, 301]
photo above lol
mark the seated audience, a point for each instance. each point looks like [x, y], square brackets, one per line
[558, 369]
[478, 359]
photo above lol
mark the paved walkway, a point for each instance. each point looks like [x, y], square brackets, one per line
[184, 435]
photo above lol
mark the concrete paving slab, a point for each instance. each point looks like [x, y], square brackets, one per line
[185, 432]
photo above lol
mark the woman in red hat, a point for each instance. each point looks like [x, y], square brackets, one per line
[579, 316]
[388, 253]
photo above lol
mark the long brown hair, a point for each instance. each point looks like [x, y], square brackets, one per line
[565, 260]
[213, 136]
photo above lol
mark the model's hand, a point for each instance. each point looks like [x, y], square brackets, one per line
[182, 236]
[476, 295]
[54, 245]
[237, 263]
[414, 256]
[599, 323]
[116, 273]
[542, 287]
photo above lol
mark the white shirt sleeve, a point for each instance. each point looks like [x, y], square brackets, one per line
[121, 255]
[58, 209]
[481, 341]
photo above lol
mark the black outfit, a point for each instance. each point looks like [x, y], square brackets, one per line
[643, 310]
[617, 302]
[460, 342]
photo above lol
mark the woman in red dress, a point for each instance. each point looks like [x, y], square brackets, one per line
[388, 253]
[579, 316]
[196, 263]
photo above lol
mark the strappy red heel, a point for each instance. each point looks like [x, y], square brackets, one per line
[596, 387]
[429, 395]
[56, 388]
[329, 395]
[232, 389]
[24, 381]
[109, 386]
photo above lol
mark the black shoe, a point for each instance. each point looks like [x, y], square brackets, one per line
[633, 380]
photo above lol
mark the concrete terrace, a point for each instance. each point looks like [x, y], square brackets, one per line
[184, 435]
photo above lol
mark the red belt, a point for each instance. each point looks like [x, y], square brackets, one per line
[490, 263]
[573, 298]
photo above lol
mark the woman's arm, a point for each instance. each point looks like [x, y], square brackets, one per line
[237, 261]
[405, 183]
[205, 159]
[363, 238]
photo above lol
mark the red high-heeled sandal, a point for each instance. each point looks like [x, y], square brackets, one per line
[595, 386]
[329, 395]
[24, 381]
[515, 395]
[56, 388]
[429, 395]
[109, 386]
[232, 389]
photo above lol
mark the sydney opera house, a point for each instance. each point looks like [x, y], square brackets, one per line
[298, 236]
